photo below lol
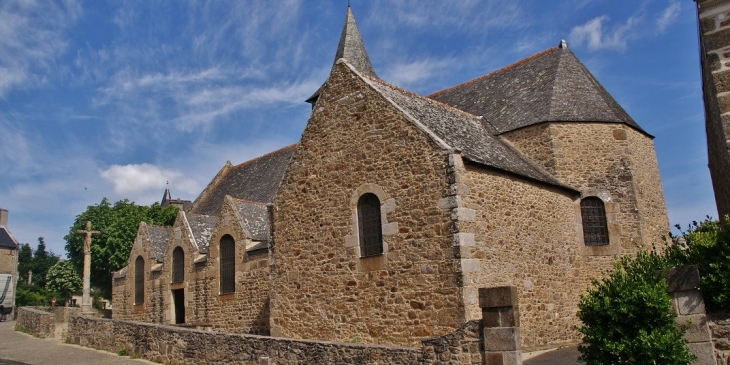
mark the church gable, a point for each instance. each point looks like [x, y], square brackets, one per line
[254, 180]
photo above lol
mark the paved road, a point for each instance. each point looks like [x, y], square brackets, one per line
[18, 348]
[564, 356]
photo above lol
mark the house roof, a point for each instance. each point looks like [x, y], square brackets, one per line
[255, 180]
[352, 49]
[159, 239]
[202, 227]
[7, 239]
[255, 217]
[552, 85]
[462, 131]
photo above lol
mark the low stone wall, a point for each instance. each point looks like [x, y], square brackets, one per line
[720, 328]
[60, 314]
[35, 322]
[174, 345]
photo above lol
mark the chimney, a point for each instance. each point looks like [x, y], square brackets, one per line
[3, 217]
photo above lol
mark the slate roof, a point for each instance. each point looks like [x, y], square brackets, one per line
[202, 228]
[352, 49]
[7, 239]
[552, 85]
[255, 180]
[159, 239]
[475, 138]
[255, 217]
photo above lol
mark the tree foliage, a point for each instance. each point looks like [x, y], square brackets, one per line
[62, 278]
[628, 319]
[118, 226]
[707, 245]
[38, 261]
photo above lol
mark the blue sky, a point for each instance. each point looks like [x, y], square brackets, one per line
[114, 98]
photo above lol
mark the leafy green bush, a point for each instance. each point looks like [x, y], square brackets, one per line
[627, 317]
[707, 245]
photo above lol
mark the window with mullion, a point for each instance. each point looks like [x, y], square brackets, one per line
[595, 225]
[370, 227]
[228, 265]
[139, 280]
[178, 265]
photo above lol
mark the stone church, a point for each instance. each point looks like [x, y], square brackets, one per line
[393, 209]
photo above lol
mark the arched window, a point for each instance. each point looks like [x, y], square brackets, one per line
[178, 265]
[595, 226]
[139, 280]
[369, 224]
[228, 264]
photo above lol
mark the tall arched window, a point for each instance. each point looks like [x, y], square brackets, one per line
[178, 265]
[595, 226]
[228, 264]
[139, 280]
[368, 220]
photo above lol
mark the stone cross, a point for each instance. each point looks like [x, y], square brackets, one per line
[85, 298]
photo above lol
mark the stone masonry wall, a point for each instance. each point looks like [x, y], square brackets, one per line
[175, 345]
[35, 322]
[356, 142]
[7, 260]
[720, 329]
[612, 161]
[714, 17]
[247, 309]
[524, 234]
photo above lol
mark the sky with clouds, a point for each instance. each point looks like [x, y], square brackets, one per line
[114, 98]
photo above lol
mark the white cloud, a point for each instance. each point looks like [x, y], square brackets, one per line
[32, 36]
[137, 180]
[596, 35]
[413, 73]
[668, 16]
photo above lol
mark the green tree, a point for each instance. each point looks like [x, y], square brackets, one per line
[63, 279]
[41, 263]
[25, 256]
[627, 318]
[118, 226]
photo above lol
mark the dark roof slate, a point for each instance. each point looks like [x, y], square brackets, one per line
[352, 49]
[6, 239]
[552, 85]
[202, 228]
[255, 217]
[159, 239]
[255, 180]
[462, 131]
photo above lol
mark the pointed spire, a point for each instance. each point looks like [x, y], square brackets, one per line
[351, 47]
[166, 197]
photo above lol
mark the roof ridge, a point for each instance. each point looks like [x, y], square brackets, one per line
[236, 200]
[268, 154]
[503, 69]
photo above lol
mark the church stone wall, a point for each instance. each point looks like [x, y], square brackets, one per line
[247, 309]
[357, 142]
[612, 161]
[524, 234]
[714, 19]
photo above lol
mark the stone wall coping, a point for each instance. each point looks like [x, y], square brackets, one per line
[35, 311]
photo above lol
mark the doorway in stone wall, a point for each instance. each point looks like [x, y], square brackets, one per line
[178, 300]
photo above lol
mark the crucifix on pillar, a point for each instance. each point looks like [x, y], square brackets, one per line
[85, 298]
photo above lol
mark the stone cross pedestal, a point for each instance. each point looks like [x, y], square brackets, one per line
[86, 297]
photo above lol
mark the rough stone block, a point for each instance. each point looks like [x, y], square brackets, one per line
[704, 352]
[689, 302]
[470, 265]
[351, 241]
[503, 296]
[390, 229]
[697, 329]
[722, 81]
[503, 358]
[464, 214]
[502, 339]
[717, 40]
[682, 278]
[501, 317]
[464, 239]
